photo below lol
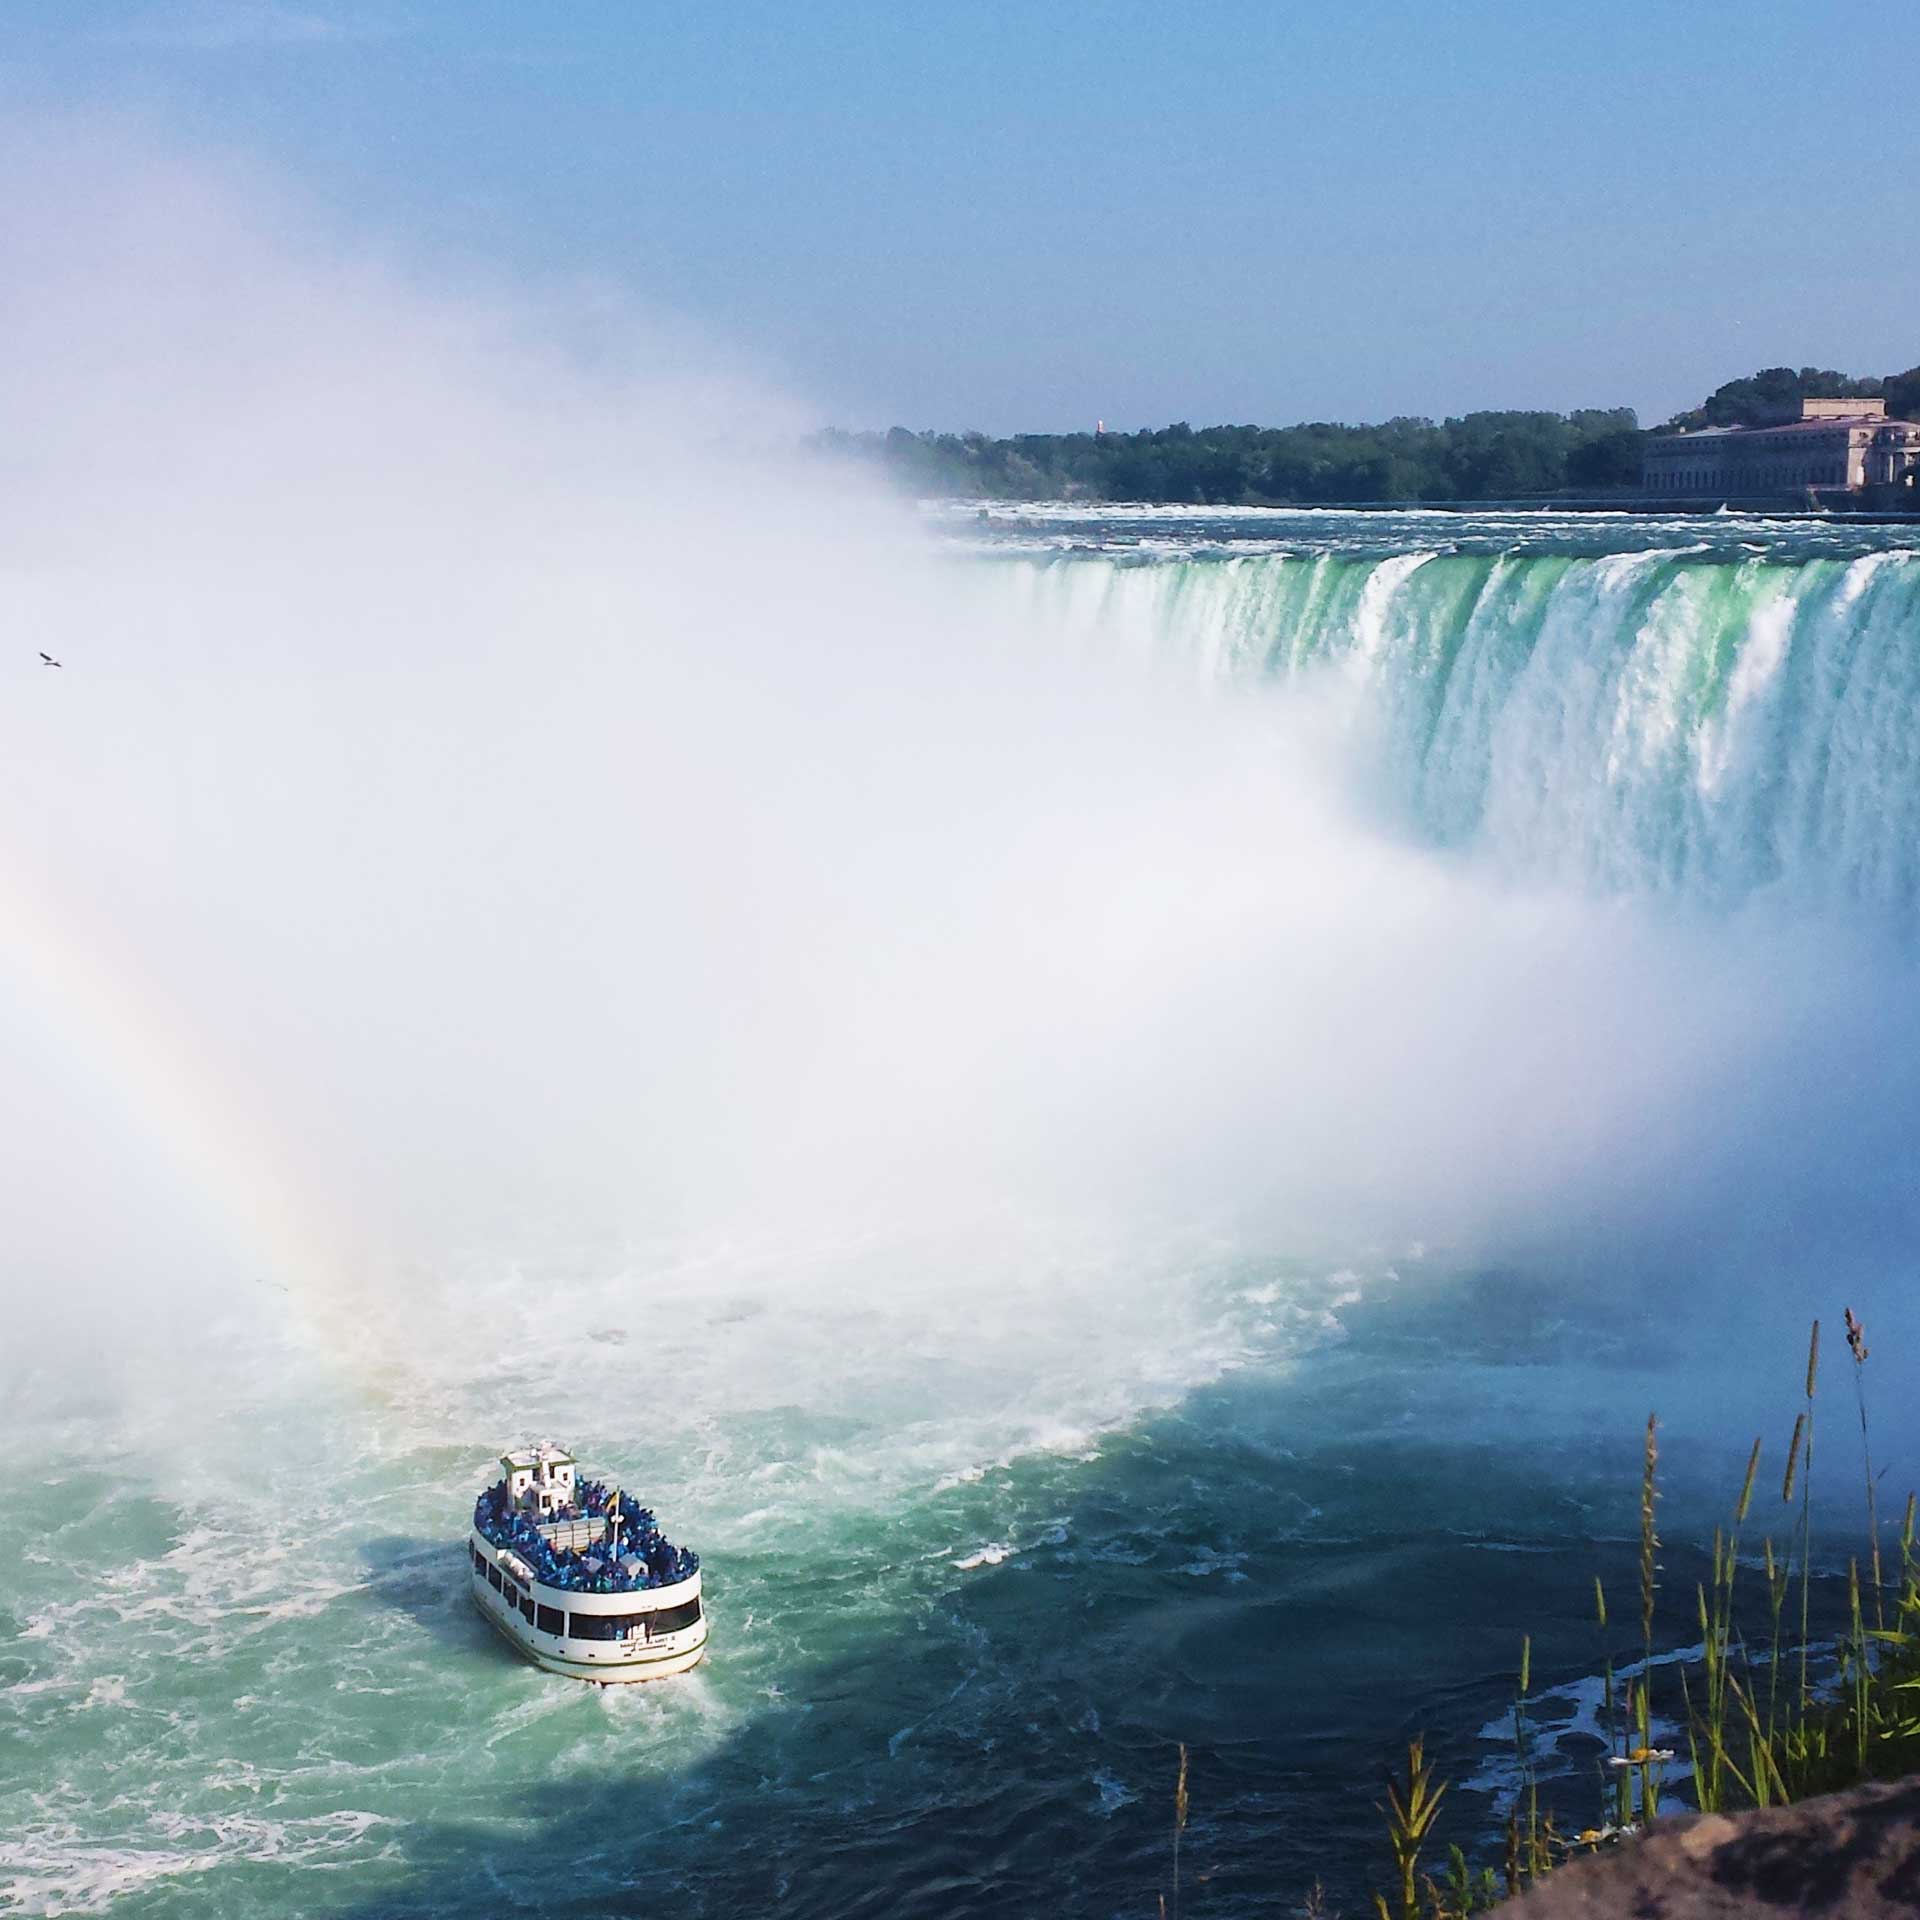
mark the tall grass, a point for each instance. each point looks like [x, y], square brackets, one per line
[1412, 1807]
[1857, 1346]
[1763, 1726]
[1179, 1825]
[1804, 1699]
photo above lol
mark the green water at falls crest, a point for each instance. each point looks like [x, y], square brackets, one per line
[1643, 720]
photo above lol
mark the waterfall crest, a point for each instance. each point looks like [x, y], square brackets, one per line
[1646, 721]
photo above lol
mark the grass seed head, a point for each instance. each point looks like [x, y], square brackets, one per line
[1649, 1533]
[1856, 1338]
[1746, 1486]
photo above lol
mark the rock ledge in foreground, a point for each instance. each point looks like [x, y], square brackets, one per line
[1854, 1854]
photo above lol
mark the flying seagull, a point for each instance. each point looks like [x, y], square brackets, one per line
[49, 659]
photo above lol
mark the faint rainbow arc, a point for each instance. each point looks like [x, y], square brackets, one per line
[221, 1147]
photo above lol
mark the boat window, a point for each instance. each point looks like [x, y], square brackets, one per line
[479, 1563]
[493, 1573]
[526, 1609]
[673, 1619]
[609, 1626]
[552, 1620]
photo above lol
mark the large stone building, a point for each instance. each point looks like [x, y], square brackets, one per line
[1836, 447]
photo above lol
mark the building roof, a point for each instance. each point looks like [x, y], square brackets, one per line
[1845, 421]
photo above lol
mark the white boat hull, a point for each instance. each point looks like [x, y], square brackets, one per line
[608, 1638]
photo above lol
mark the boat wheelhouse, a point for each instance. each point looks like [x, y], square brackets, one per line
[577, 1575]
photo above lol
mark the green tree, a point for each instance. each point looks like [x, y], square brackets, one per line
[1903, 394]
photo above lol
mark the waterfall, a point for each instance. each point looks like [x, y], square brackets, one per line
[1642, 721]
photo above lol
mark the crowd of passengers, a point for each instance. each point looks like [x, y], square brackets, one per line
[644, 1558]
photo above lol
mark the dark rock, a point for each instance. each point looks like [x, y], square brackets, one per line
[1851, 1856]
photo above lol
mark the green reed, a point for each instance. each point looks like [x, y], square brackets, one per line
[1857, 1346]
[1806, 1517]
[1179, 1825]
[1621, 1787]
[1413, 1804]
[1761, 1727]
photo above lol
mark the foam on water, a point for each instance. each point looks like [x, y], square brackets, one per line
[991, 1555]
[300, 1610]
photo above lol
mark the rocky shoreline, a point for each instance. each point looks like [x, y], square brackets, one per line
[1855, 1854]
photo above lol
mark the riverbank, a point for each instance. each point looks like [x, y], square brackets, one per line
[1853, 1854]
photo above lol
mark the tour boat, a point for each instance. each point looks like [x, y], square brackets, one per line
[578, 1577]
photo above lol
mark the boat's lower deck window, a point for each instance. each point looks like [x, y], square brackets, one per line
[526, 1609]
[676, 1619]
[607, 1626]
[633, 1626]
[552, 1620]
[479, 1564]
[493, 1573]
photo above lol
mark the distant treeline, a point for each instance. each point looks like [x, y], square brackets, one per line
[1479, 456]
[1774, 394]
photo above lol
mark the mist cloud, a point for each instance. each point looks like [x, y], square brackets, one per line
[515, 823]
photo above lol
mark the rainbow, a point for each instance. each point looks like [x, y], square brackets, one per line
[139, 1049]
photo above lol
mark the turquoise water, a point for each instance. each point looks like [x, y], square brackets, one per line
[937, 1696]
[993, 1522]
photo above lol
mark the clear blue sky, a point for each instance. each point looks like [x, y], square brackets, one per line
[1031, 215]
